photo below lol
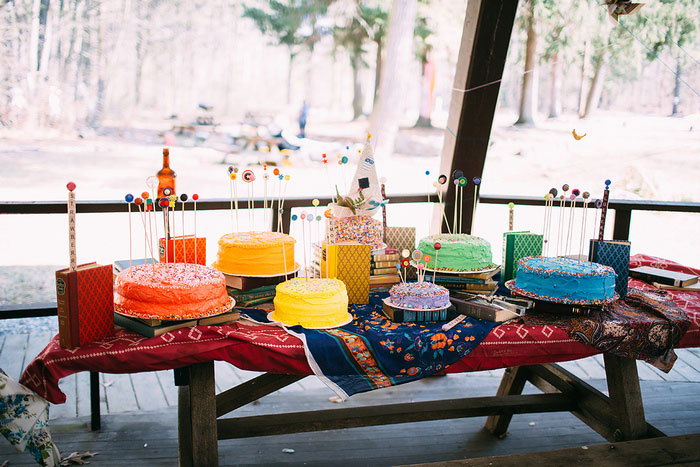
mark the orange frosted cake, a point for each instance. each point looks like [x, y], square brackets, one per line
[312, 303]
[171, 291]
[255, 254]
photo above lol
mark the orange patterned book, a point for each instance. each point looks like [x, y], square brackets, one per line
[176, 253]
[85, 301]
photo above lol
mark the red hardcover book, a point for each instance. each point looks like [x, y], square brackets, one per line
[85, 299]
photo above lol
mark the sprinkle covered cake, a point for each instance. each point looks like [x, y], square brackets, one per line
[362, 229]
[458, 252]
[419, 295]
[312, 303]
[255, 254]
[564, 280]
[170, 291]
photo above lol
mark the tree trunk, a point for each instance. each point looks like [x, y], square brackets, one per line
[528, 96]
[33, 57]
[584, 71]
[384, 122]
[677, 89]
[555, 95]
[426, 94]
[356, 65]
[289, 76]
[599, 73]
[99, 70]
[377, 72]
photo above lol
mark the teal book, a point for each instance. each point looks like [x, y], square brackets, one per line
[518, 245]
[616, 254]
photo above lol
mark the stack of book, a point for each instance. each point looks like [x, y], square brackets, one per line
[253, 297]
[474, 283]
[157, 327]
[382, 269]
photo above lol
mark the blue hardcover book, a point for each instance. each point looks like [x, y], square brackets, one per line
[616, 254]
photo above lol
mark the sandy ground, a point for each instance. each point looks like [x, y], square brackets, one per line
[646, 157]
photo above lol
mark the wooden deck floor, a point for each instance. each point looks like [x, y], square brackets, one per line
[140, 416]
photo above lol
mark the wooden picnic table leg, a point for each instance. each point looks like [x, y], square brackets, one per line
[625, 397]
[512, 383]
[197, 434]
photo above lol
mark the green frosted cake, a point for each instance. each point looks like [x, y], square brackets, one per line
[458, 252]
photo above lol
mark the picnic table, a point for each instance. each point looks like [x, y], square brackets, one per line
[528, 351]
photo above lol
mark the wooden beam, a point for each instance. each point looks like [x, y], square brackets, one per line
[512, 383]
[625, 397]
[594, 408]
[482, 55]
[334, 419]
[252, 390]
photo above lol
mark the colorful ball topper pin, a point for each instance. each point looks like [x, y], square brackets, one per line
[405, 262]
[417, 255]
[462, 181]
[248, 176]
[437, 246]
[442, 179]
[405, 253]
[427, 258]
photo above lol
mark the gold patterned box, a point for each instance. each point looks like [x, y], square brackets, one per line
[348, 262]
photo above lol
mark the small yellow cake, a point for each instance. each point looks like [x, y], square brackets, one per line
[312, 303]
[255, 254]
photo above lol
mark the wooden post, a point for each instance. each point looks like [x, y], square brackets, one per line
[625, 397]
[197, 434]
[95, 401]
[482, 56]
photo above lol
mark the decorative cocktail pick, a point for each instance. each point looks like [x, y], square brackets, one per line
[586, 195]
[233, 175]
[265, 177]
[171, 205]
[73, 258]
[442, 179]
[462, 183]
[183, 198]
[456, 175]
[129, 198]
[164, 203]
[416, 256]
[315, 202]
[426, 260]
[437, 247]
[548, 219]
[148, 207]
[477, 182]
[310, 218]
[604, 209]
[572, 212]
[427, 173]
[562, 202]
[248, 177]
[195, 197]
[511, 205]
[405, 262]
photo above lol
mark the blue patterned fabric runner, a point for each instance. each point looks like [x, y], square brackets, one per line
[373, 352]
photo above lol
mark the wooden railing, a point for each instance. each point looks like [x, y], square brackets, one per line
[623, 215]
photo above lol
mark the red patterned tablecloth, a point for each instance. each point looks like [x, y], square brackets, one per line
[271, 349]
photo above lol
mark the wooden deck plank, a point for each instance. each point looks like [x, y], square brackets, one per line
[36, 343]
[148, 391]
[647, 372]
[226, 376]
[592, 369]
[83, 395]
[67, 409]
[688, 365]
[659, 451]
[669, 406]
[167, 384]
[119, 392]
[13, 353]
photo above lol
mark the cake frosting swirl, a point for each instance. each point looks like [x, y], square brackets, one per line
[564, 280]
[458, 252]
[419, 295]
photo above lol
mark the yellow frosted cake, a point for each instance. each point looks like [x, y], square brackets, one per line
[312, 303]
[255, 254]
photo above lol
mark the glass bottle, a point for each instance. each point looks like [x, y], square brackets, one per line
[166, 175]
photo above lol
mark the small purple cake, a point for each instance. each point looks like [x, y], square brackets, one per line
[419, 295]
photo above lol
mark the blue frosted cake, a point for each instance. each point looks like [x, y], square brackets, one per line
[564, 280]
